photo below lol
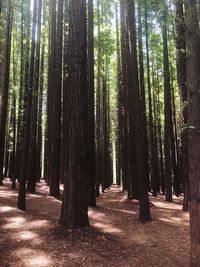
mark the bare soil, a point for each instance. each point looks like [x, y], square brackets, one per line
[115, 238]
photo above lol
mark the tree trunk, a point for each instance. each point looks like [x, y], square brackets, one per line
[119, 106]
[167, 100]
[21, 204]
[4, 113]
[65, 110]
[193, 82]
[91, 119]
[181, 77]
[142, 90]
[33, 127]
[136, 116]
[40, 104]
[24, 70]
[98, 109]
[74, 206]
[155, 173]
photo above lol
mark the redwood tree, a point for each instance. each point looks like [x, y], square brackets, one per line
[74, 205]
[193, 85]
[136, 117]
[91, 119]
[4, 111]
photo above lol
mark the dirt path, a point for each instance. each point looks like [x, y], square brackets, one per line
[116, 238]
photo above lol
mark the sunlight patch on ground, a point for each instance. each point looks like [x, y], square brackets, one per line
[96, 215]
[38, 260]
[8, 194]
[30, 236]
[14, 222]
[128, 211]
[167, 205]
[107, 228]
[38, 224]
[175, 221]
[33, 257]
[19, 222]
[26, 235]
[31, 196]
[6, 208]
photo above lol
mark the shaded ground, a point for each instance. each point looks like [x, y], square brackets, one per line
[115, 238]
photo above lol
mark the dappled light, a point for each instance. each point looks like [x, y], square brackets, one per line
[38, 260]
[14, 222]
[6, 208]
[115, 230]
[107, 228]
[32, 257]
[99, 133]
[6, 194]
[26, 235]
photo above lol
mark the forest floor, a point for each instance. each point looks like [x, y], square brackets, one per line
[115, 238]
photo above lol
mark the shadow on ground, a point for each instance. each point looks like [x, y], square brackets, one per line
[115, 238]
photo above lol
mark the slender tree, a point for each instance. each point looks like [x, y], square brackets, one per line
[167, 97]
[4, 112]
[91, 118]
[21, 204]
[119, 105]
[33, 127]
[142, 86]
[98, 107]
[154, 167]
[181, 78]
[136, 115]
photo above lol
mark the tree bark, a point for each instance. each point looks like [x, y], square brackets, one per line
[91, 118]
[34, 115]
[136, 116]
[21, 203]
[4, 113]
[142, 90]
[181, 77]
[155, 172]
[167, 100]
[193, 131]
[75, 200]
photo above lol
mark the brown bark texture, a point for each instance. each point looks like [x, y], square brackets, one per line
[74, 205]
[193, 128]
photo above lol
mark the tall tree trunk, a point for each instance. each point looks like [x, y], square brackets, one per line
[91, 119]
[65, 110]
[142, 89]
[40, 104]
[167, 100]
[98, 108]
[136, 116]
[119, 106]
[177, 182]
[74, 206]
[33, 127]
[56, 130]
[160, 140]
[193, 82]
[155, 173]
[4, 113]
[13, 121]
[125, 138]
[24, 70]
[181, 77]
[21, 204]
